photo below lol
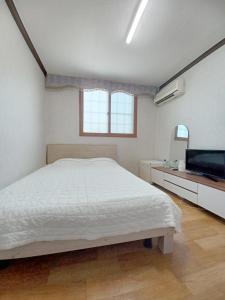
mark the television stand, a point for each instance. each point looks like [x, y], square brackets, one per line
[210, 177]
[205, 192]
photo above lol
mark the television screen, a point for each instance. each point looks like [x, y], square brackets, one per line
[210, 162]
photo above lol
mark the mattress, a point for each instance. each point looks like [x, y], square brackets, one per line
[81, 199]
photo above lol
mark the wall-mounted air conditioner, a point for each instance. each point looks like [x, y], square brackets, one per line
[170, 91]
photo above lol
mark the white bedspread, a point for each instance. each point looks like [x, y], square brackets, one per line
[81, 199]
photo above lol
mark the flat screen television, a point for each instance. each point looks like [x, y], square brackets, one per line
[206, 162]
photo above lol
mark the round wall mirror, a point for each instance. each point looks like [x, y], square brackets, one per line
[181, 133]
[179, 142]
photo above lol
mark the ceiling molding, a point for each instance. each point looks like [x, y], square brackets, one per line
[194, 62]
[24, 33]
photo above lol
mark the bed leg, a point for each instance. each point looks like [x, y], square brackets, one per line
[165, 243]
[147, 243]
[4, 264]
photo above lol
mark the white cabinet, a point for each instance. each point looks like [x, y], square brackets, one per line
[145, 168]
[184, 183]
[208, 197]
[180, 191]
[158, 177]
[177, 185]
[212, 200]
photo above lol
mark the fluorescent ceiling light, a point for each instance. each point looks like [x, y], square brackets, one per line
[136, 20]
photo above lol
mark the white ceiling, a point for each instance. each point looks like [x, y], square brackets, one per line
[87, 37]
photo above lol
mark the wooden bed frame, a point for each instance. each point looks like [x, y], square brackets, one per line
[163, 236]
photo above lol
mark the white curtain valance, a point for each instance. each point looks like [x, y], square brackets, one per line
[59, 81]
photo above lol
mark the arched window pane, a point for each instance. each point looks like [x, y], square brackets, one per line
[95, 114]
[122, 113]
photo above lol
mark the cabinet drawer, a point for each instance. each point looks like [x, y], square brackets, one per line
[181, 192]
[212, 200]
[157, 177]
[184, 183]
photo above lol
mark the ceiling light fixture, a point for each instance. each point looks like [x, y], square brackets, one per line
[136, 20]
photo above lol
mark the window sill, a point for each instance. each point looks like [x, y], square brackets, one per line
[121, 135]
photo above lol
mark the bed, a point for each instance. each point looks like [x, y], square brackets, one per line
[81, 199]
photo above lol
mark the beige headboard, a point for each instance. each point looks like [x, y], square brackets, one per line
[57, 151]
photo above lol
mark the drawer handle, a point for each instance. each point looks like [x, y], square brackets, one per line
[180, 187]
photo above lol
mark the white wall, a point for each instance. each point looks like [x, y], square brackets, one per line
[62, 126]
[22, 148]
[202, 108]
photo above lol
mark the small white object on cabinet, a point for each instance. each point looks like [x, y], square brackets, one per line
[145, 168]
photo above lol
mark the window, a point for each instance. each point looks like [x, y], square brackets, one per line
[95, 111]
[105, 114]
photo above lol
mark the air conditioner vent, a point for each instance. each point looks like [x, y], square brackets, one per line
[169, 92]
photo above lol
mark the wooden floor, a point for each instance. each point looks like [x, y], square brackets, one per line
[196, 269]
